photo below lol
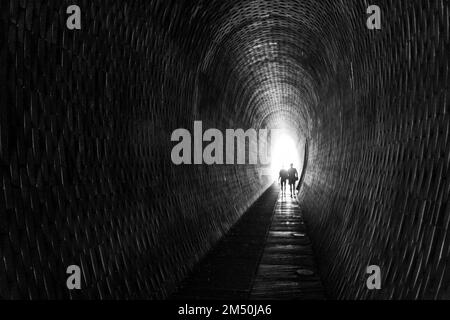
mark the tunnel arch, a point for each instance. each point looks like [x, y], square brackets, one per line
[88, 174]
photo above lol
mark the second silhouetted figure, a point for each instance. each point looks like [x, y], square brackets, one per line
[293, 177]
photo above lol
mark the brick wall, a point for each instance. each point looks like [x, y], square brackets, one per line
[86, 119]
[86, 174]
[377, 187]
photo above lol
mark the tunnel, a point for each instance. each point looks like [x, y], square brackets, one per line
[88, 116]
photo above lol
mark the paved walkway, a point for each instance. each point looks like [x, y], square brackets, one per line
[266, 255]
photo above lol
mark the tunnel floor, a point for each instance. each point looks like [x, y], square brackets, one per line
[266, 255]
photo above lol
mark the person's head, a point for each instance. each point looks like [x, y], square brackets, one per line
[292, 165]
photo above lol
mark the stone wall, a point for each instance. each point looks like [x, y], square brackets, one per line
[87, 178]
[377, 186]
[87, 116]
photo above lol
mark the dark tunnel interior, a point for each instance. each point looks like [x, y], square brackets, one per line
[87, 117]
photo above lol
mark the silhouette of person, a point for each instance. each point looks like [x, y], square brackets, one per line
[293, 177]
[282, 179]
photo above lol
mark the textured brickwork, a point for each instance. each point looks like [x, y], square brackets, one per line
[377, 187]
[86, 175]
[86, 118]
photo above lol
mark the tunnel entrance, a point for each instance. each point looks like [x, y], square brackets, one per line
[88, 177]
[284, 153]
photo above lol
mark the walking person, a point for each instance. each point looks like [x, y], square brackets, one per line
[282, 180]
[292, 177]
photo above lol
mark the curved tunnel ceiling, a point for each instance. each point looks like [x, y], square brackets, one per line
[85, 139]
[276, 53]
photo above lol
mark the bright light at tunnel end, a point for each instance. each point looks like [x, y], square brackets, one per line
[284, 153]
